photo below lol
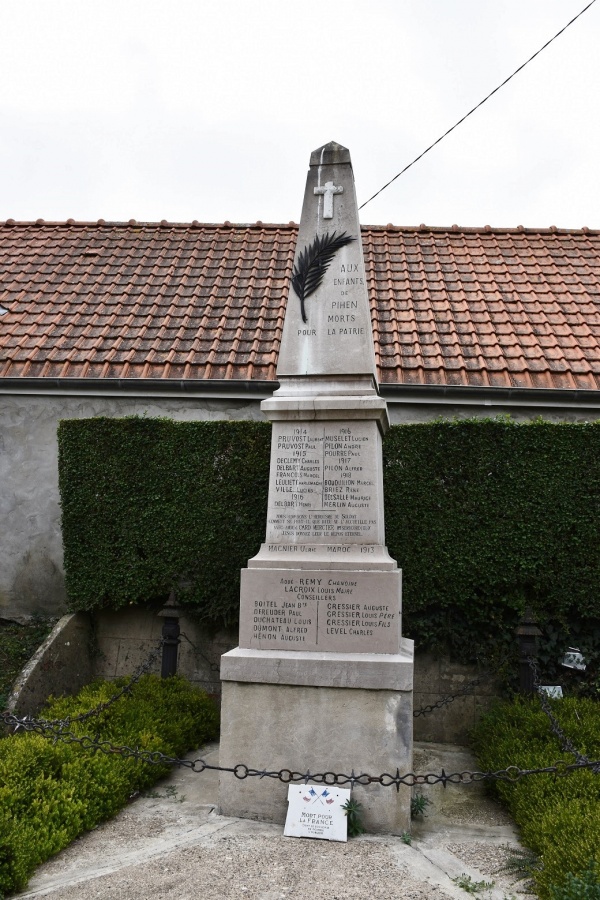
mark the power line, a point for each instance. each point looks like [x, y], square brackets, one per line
[481, 102]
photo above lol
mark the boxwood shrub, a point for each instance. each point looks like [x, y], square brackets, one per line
[559, 817]
[52, 792]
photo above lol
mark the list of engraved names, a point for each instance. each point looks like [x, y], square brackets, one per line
[322, 482]
[321, 610]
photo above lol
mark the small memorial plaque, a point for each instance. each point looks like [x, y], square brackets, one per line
[315, 811]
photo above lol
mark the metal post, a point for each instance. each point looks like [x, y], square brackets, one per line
[170, 636]
[527, 636]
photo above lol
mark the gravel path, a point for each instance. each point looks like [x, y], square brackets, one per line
[171, 844]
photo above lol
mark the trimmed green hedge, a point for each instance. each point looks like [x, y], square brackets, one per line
[152, 504]
[559, 818]
[487, 517]
[50, 793]
[483, 516]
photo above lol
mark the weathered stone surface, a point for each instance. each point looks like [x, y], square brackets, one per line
[370, 671]
[326, 484]
[330, 333]
[317, 609]
[437, 678]
[117, 633]
[325, 508]
[61, 665]
[319, 681]
[268, 726]
[125, 638]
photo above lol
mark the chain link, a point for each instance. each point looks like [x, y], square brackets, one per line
[444, 701]
[58, 732]
[565, 742]
[143, 669]
[212, 665]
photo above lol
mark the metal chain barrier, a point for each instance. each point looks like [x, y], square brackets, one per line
[58, 732]
[565, 742]
[143, 669]
[470, 686]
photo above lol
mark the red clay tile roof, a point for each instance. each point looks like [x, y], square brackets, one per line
[451, 306]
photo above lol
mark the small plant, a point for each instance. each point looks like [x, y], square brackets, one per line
[465, 882]
[406, 838]
[352, 809]
[169, 794]
[579, 887]
[172, 793]
[521, 864]
[418, 805]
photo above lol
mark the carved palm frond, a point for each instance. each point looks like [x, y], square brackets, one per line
[313, 262]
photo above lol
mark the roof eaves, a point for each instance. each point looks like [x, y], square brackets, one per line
[138, 387]
[470, 395]
[134, 223]
[409, 394]
[269, 226]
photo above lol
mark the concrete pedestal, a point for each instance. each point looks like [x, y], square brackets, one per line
[318, 728]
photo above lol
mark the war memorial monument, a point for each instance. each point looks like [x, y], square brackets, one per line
[322, 678]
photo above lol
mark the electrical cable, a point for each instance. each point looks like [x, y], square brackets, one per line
[471, 111]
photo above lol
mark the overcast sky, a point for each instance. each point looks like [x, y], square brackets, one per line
[209, 109]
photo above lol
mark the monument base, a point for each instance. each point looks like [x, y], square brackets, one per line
[317, 728]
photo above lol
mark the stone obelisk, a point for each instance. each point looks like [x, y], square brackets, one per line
[322, 678]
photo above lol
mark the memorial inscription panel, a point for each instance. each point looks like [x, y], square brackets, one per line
[324, 484]
[316, 609]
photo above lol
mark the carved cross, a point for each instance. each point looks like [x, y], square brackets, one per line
[328, 190]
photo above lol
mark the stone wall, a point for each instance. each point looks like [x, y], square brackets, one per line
[114, 643]
[125, 638]
[436, 678]
[62, 664]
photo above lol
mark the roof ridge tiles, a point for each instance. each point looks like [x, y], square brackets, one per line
[164, 225]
